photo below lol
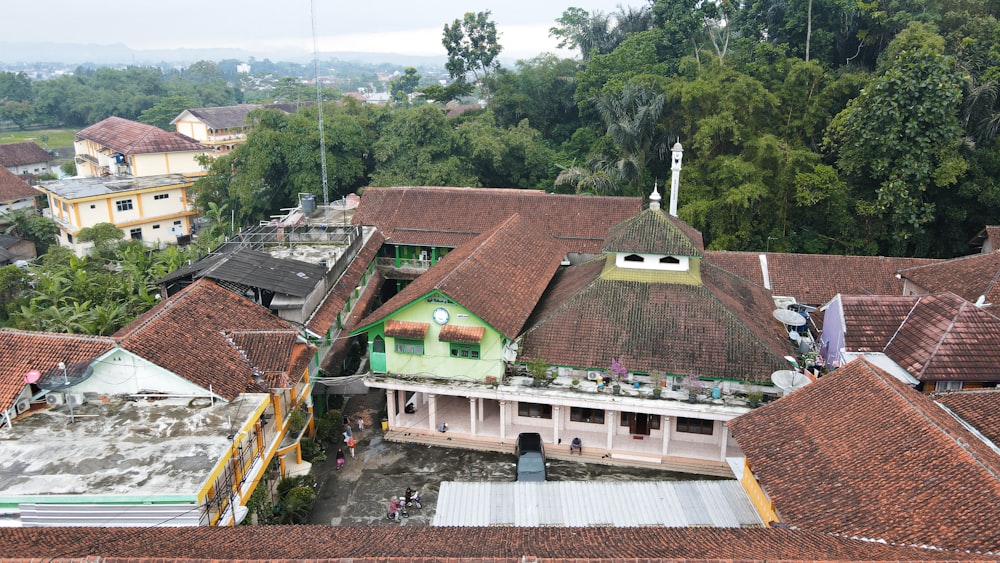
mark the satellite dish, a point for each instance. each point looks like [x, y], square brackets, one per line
[790, 318]
[789, 380]
[32, 376]
[510, 352]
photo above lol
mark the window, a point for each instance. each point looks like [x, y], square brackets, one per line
[640, 423]
[534, 410]
[593, 416]
[124, 205]
[669, 260]
[92, 206]
[633, 258]
[135, 234]
[65, 207]
[69, 238]
[948, 386]
[161, 196]
[404, 346]
[177, 223]
[465, 351]
[695, 425]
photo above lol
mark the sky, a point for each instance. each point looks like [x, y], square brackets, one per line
[410, 27]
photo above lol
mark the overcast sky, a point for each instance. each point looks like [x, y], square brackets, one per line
[411, 27]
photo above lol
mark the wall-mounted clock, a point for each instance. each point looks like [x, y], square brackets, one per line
[440, 315]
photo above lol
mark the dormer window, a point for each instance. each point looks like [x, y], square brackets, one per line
[634, 258]
[636, 261]
[670, 260]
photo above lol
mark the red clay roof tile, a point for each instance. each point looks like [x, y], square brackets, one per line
[22, 153]
[971, 277]
[446, 216]
[187, 334]
[407, 329]
[482, 276]
[858, 453]
[455, 333]
[131, 137]
[13, 188]
[410, 544]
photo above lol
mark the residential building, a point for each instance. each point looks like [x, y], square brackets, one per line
[14, 250]
[25, 158]
[861, 454]
[444, 345]
[175, 418]
[972, 277]
[220, 128]
[15, 193]
[120, 147]
[153, 209]
[935, 342]
[987, 239]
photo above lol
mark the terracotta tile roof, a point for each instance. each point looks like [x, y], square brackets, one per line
[187, 334]
[22, 351]
[325, 316]
[860, 454]
[407, 214]
[721, 329]
[222, 117]
[13, 188]
[981, 409]
[939, 337]
[814, 279]
[454, 333]
[265, 350]
[499, 276]
[971, 277]
[131, 137]
[654, 232]
[411, 544]
[19, 154]
[407, 329]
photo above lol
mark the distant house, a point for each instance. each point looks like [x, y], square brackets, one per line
[220, 128]
[975, 278]
[860, 454]
[937, 342]
[119, 147]
[13, 249]
[987, 239]
[25, 158]
[153, 209]
[15, 193]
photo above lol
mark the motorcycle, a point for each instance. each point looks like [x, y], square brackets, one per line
[412, 498]
[397, 509]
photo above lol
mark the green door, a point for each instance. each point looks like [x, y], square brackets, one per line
[378, 355]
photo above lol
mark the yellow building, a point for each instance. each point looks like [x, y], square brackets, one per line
[220, 128]
[153, 209]
[119, 147]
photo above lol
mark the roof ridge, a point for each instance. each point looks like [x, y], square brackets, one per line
[944, 431]
[488, 236]
[944, 334]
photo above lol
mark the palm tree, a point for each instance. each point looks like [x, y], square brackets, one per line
[632, 119]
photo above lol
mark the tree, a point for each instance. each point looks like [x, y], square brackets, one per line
[898, 141]
[419, 147]
[402, 87]
[103, 235]
[444, 94]
[631, 118]
[166, 110]
[541, 91]
[24, 223]
[15, 284]
[472, 47]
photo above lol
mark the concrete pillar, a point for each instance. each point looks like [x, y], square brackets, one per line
[556, 422]
[480, 405]
[611, 421]
[391, 408]
[725, 439]
[503, 420]
[666, 425]
[472, 415]
[432, 411]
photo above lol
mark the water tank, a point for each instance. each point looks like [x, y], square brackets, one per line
[308, 203]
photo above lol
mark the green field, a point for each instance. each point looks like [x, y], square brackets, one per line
[56, 138]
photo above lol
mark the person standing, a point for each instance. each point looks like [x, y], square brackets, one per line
[347, 431]
[340, 458]
[350, 445]
[361, 424]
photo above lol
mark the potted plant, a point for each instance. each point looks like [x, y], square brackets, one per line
[575, 382]
[657, 391]
[539, 371]
[693, 385]
[754, 398]
[297, 422]
[618, 371]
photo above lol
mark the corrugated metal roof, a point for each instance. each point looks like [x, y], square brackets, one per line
[672, 504]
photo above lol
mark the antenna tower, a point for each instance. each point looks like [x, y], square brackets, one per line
[319, 107]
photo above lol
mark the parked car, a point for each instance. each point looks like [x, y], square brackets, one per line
[530, 453]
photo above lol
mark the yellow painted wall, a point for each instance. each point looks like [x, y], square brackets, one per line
[758, 497]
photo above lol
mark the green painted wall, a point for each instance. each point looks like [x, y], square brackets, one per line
[436, 360]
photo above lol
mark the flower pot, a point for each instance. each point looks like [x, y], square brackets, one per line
[692, 398]
[617, 390]
[656, 393]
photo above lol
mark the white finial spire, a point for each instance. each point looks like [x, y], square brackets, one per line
[675, 176]
[654, 198]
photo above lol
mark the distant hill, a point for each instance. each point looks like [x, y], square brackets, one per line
[121, 54]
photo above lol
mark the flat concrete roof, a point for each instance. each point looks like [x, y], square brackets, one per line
[79, 188]
[125, 451]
